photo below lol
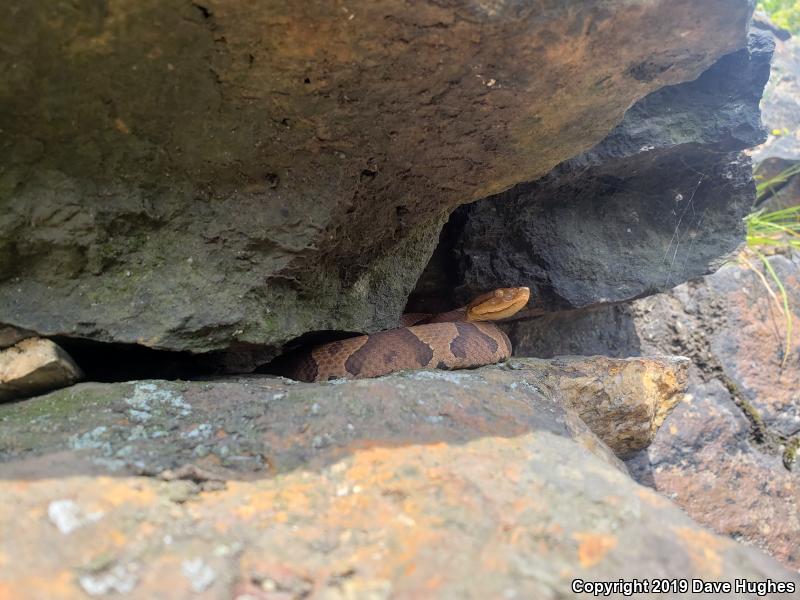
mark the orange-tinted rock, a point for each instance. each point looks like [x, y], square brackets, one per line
[623, 401]
[420, 484]
[240, 428]
[719, 455]
[258, 426]
[705, 461]
[520, 516]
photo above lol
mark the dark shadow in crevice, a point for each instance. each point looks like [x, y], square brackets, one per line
[113, 362]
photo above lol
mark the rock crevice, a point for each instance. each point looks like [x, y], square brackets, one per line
[660, 200]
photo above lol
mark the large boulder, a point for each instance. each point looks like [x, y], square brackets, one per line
[261, 425]
[730, 453]
[660, 200]
[222, 174]
[455, 485]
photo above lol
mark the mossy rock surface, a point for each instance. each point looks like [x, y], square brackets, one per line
[227, 174]
[478, 484]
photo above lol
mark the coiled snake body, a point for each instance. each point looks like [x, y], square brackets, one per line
[459, 339]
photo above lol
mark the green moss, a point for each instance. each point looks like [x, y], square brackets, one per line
[790, 453]
[40, 422]
[753, 414]
[58, 404]
[758, 428]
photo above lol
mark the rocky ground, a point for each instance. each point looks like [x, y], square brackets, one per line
[423, 484]
[728, 454]
[212, 196]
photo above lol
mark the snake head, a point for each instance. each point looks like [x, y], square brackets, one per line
[498, 304]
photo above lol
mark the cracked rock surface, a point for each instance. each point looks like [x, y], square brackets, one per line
[479, 484]
[729, 453]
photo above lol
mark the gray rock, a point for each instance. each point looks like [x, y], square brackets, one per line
[780, 109]
[505, 494]
[782, 188]
[224, 175]
[780, 106]
[233, 428]
[659, 201]
[172, 425]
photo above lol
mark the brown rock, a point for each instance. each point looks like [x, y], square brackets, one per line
[623, 401]
[578, 240]
[722, 454]
[11, 335]
[731, 327]
[705, 460]
[34, 366]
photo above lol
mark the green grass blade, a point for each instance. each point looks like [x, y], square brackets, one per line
[785, 299]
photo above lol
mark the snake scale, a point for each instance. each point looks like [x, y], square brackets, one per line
[458, 339]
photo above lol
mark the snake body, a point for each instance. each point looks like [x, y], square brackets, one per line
[459, 339]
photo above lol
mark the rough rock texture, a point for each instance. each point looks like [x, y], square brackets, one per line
[624, 402]
[423, 484]
[658, 201]
[260, 425]
[215, 174]
[11, 335]
[34, 366]
[781, 102]
[783, 188]
[708, 461]
[728, 454]
[780, 107]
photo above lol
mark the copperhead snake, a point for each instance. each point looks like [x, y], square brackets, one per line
[463, 338]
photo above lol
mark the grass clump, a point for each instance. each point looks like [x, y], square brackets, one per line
[771, 231]
[767, 187]
[779, 229]
[784, 13]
